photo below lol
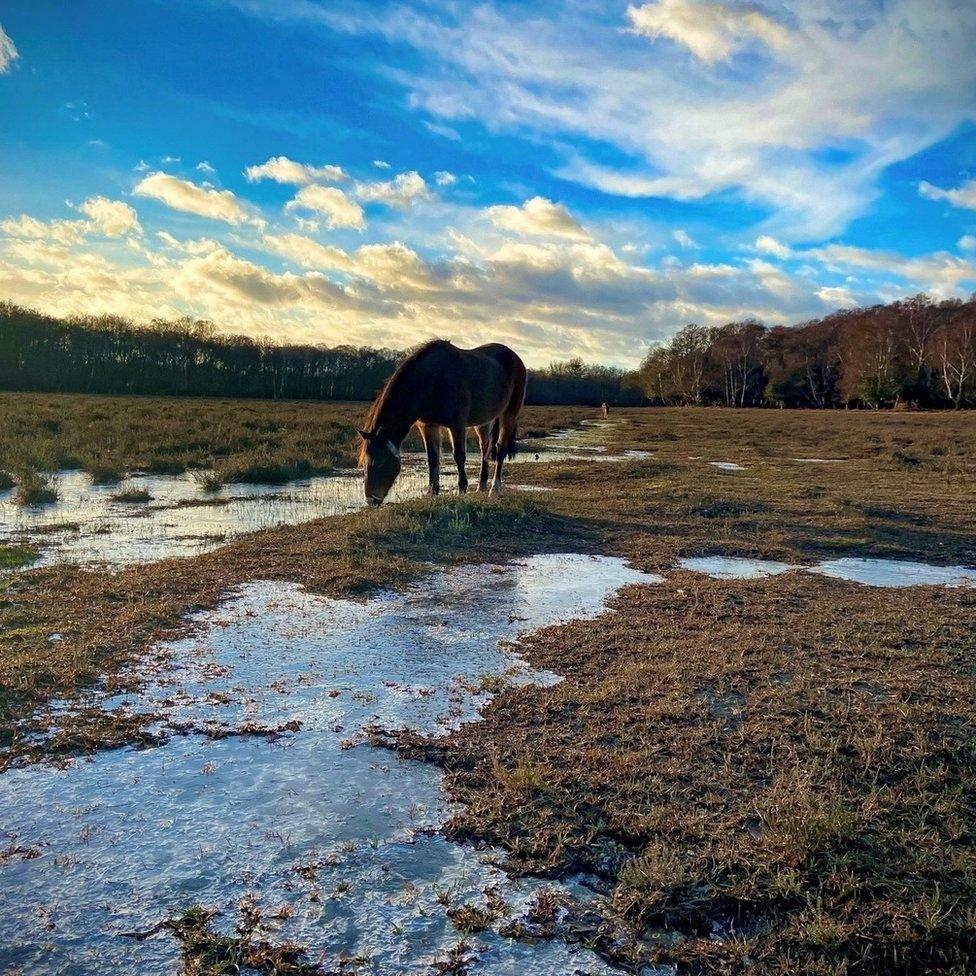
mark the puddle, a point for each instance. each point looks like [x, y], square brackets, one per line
[88, 526]
[893, 572]
[868, 572]
[734, 567]
[336, 838]
[584, 443]
[726, 465]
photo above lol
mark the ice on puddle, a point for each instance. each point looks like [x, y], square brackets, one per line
[345, 835]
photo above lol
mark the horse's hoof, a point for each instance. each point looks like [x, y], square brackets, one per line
[494, 491]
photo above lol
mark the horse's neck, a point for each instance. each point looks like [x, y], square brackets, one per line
[401, 409]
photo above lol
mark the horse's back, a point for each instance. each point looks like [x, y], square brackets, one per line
[505, 356]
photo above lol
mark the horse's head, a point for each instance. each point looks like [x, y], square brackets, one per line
[380, 458]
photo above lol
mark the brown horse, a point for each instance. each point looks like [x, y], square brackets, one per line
[440, 386]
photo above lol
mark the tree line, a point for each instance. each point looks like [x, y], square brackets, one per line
[187, 357]
[911, 353]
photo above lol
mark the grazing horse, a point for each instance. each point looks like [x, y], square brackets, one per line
[442, 386]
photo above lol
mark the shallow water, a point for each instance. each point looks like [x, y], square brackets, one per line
[820, 460]
[726, 465]
[734, 567]
[867, 572]
[342, 833]
[88, 526]
[895, 572]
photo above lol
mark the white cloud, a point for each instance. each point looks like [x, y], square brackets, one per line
[8, 51]
[59, 231]
[444, 178]
[685, 239]
[204, 167]
[711, 31]
[190, 198]
[281, 169]
[196, 246]
[307, 252]
[227, 276]
[962, 196]
[332, 203]
[537, 217]
[106, 218]
[941, 273]
[403, 191]
[111, 217]
[766, 244]
[879, 82]
[381, 164]
[839, 295]
[967, 242]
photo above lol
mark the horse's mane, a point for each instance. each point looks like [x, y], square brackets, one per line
[405, 368]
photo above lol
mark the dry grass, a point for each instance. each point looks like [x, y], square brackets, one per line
[240, 440]
[768, 777]
[771, 776]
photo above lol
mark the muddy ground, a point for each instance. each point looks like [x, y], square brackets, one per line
[770, 775]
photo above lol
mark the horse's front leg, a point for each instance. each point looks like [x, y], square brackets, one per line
[458, 439]
[432, 443]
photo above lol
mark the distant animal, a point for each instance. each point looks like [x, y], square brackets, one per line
[441, 386]
[604, 410]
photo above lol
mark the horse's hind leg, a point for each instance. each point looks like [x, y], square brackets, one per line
[503, 447]
[431, 435]
[458, 437]
[484, 439]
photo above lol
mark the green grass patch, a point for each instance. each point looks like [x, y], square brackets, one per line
[15, 556]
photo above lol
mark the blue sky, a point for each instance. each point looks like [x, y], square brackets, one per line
[574, 178]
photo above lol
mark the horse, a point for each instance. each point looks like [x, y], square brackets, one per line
[441, 386]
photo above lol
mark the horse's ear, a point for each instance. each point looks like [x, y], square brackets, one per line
[362, 433]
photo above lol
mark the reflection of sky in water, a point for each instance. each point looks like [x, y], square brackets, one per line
[87, 526]
[868, 572]
[894, 572]
[130, 836]
[733, 567]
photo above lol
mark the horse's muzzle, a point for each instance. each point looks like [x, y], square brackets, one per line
[372, 501]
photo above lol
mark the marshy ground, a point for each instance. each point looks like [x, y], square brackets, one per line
[763, 775]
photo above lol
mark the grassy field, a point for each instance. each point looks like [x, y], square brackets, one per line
[259, 441]
[771, 776]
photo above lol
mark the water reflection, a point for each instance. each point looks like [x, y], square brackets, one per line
[341, 834]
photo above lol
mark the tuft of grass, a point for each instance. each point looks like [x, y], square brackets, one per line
[15, 556]
[34, 489]
[104, 472]
[132, 496]
[261, 468]
[207, 952]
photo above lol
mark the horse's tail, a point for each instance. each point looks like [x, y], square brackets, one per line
[515, 403]
[510, 447]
